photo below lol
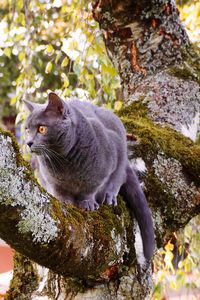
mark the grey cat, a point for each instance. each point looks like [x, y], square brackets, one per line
[81, 152]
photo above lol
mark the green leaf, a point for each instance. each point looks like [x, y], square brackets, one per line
[58, 56]
[65, 80]
[49, 50]
[66, 92]
[49, 67]
[20, 4]
[13, 100]
[19, 118]
[21, 56]
[20, 79]
[21, 19]
[180, 279]
[65, 62]
[7, 51]
[158, 291]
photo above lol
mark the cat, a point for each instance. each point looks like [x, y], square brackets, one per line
[82, 158]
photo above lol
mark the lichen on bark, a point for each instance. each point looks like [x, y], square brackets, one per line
[16, 191]
[42, 227]
[151, 51]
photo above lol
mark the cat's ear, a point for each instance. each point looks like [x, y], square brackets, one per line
[55, 104]
[29, 105]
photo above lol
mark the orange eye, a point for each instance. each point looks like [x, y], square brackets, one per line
[42, 129]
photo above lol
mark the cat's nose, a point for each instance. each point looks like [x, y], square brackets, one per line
[30, 144]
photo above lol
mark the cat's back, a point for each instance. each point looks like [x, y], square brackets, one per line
[105, 116]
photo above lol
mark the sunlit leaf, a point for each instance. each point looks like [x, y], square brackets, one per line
[20, 4]
[21, 56]
[65, 80]
[7, 52]
[20, 79]
[180, 249]
[65, 62]
[66, 92]
[158, 289]
[173, 284]
[19, 118]
[58, 56]
[21, 19]
[180, 279]
[49, 67]
[169, 246]
[49, 50]
[13, 100]
[168, 261]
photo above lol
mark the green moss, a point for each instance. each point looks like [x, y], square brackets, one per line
[104, 217]
[155, 138]
[99, 225]
[135, 110]
[25, 279]
[164, 200]
[183, 72]
[190, 68]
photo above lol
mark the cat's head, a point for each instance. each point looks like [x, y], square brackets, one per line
[49, 127]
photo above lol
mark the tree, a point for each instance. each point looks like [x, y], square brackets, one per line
[91, 255]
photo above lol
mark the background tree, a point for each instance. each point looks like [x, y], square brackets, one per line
[157, 66]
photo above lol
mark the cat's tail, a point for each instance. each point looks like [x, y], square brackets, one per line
[132, 193]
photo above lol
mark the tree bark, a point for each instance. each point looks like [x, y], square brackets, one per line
[92, 255]
[149, 47]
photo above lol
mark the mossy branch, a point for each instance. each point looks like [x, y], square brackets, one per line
[172, 180]
[63, 238]
[70, 241]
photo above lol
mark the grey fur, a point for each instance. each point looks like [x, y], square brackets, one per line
[82, 158]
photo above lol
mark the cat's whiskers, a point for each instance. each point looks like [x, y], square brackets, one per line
[42, 150]
[53, 167]
[56, 160]
[60, 158]
[54, 155]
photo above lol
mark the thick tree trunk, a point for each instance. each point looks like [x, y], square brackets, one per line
[91, 255]
[150, 49]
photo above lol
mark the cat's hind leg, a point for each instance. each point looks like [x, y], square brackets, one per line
[87, 202]
[111, 198]
[112, 187]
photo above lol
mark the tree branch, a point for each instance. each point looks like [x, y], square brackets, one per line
[63, 238]
[172, 175]
[70, 241]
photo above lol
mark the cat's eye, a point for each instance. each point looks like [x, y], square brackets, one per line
[42, 129]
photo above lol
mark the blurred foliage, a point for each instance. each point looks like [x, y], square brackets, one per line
[53, 45]
[177, 265]
[190, 15]
[57, 45]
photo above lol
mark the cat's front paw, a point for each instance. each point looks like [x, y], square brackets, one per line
[89, 205]
[111, 199]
